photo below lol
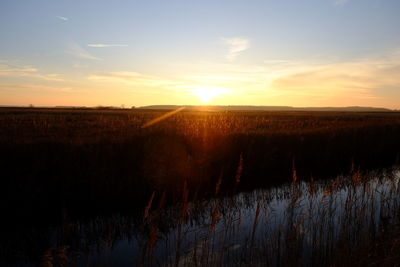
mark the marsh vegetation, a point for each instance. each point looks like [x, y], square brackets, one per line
[91, 187]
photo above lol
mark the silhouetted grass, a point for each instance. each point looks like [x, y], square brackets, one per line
[61, 167]
[350, 220]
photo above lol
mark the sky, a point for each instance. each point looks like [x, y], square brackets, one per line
[211, 52]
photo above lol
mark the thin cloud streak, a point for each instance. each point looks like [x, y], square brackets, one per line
[132, 78]
[77, 51]
[235, 46]
[106, 45]
[30, 72]
[62, 18]
[36, 88]
[128, 76]
[5, 68]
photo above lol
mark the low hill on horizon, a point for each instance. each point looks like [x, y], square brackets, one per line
[269, 108]
[215, 108]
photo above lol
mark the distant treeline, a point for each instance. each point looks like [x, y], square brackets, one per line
[221, 108]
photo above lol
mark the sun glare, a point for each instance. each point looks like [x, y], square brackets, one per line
[207, 94]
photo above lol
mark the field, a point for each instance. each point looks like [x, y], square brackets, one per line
[106, 187]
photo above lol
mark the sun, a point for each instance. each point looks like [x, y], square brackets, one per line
[206, 94]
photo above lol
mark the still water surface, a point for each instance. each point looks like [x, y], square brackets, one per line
[262, 226]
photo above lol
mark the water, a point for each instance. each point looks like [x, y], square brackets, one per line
[308, 220]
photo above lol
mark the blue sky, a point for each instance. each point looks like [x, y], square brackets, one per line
[298, 52]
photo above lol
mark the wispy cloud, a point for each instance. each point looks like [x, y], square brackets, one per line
[120, 76]
[106, 45]
[132, 78]
[340, 2]
[62, 18]
[235, 46]
[77, 51]
[372, 80]
[27, 71]
[347, 82]
[35, 88]
[4, 69]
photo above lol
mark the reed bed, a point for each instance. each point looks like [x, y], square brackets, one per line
[201, 188]
[336, 222]
[352, 220]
